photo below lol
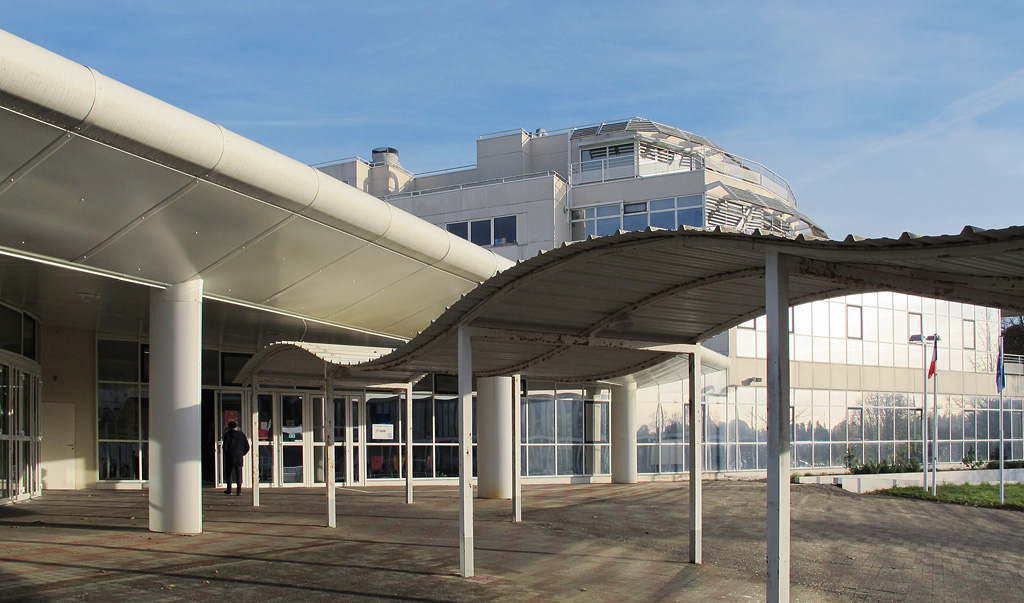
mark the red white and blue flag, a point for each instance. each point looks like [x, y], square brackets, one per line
[935, 358]
[1000, 371]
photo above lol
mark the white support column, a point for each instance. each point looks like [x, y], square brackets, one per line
[517, 447]
[494, 437]
[350, 431]
[466, 564]
[696, 458]
[408, 443]
[623, 426]
[175, 421]
[332, 495]
[777, 314]
[254, 442]
[592, 431]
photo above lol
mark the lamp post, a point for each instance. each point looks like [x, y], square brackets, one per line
[923, 341]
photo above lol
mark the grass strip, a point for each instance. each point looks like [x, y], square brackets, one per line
[975, 495]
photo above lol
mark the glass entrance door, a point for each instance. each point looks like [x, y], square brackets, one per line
[293, 439]
[267, 438]
[230, 407]
[19, 432]
[346, 410]
[385, 455]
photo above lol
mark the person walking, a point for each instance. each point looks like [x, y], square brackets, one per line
[236, 446]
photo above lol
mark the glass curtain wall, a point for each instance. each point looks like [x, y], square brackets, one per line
[19, 431]
[564, 430]
[19, 406]
[122, 407]
[873, 330]
[670, 213]
[435, 431]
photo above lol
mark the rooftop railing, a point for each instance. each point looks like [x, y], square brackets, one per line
[750, 171]
[626, 166]
[455, 187]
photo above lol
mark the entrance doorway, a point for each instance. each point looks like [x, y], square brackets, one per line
[291, 435]
[58, 458]
[231, 407]
[19, 429]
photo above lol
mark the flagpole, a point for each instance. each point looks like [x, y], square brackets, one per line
[924, 420]
[1002, 455]
[935, 418]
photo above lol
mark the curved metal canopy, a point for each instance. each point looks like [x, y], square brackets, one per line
[613, 306]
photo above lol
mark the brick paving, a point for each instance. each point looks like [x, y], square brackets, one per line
[577, 543]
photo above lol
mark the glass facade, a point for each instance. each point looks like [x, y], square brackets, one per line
[122, 409]
[565, 430]
[20, 477]
[874, 329]
[669, 213]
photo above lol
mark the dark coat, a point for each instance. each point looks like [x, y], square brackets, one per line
[236, 445]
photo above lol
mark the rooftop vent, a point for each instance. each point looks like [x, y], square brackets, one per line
[386, 155]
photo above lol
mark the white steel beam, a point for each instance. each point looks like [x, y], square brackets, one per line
[777, 304]
[517, 459]
[349, 446]
[525, 336]
[408, 443]
[466, 565]
[696, 458]
[328, 402]
[254, 436]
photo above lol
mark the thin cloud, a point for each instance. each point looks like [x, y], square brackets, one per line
[961, 110]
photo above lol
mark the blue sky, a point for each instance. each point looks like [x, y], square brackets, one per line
[884, 116]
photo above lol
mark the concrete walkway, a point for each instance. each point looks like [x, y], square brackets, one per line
[577, 543]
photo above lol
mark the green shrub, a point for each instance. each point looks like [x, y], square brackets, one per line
[1007, 464]
[901, 463]
[971, 461]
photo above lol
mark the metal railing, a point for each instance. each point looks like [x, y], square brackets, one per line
[461, 168]
[750, 171]
[454, 187]
[600, 170]
[355, 158]
[614, 168]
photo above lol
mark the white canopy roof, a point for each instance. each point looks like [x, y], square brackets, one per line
[102, 178]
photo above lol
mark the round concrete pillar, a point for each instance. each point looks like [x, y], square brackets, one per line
[623, 427]
[175, 461]
[494, 440]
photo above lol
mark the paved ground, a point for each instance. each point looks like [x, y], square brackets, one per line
[576, 543]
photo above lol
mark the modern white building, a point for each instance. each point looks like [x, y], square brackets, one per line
[109, 195]
[857, 379]
[161, 276]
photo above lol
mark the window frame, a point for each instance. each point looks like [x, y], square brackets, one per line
[972, 343]
[456, 229]
[859, 313]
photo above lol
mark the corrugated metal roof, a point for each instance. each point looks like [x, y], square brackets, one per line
[682, 287]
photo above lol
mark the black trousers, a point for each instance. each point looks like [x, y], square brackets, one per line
[233, 473]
